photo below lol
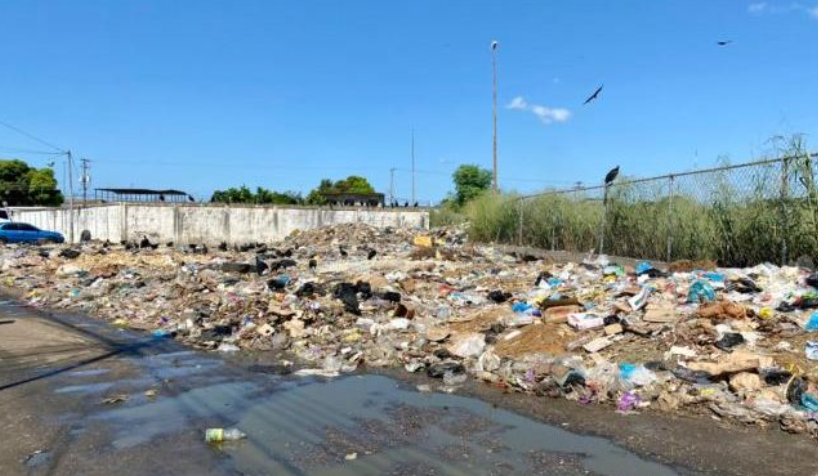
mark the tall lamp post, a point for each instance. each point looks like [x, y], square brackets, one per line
[494, 46]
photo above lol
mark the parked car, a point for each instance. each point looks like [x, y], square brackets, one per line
[16, 232]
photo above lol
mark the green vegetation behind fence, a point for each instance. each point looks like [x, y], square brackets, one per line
[738, 215]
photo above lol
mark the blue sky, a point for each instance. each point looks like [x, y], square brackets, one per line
[201, 94]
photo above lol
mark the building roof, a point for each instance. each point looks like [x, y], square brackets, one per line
[140, 191]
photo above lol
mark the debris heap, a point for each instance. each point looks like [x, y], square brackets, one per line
[738, 344]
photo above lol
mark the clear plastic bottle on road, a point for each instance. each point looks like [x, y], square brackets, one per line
[218, 435]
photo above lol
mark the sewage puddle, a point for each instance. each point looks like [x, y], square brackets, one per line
[370, 425]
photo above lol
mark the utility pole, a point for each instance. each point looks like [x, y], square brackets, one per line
[392, 185]
[494, 46]
[70, 196]
[85, 179]
[413, 166]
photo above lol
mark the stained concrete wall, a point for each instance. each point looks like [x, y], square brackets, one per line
[207, 224]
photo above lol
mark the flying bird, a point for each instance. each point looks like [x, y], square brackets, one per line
[611, 176]
[724, 42]
[594, 96]
[494, 44]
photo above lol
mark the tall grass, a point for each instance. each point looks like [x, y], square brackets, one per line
[740, 216]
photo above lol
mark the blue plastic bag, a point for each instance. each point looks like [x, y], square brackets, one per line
[643, 267]
[701, 291]
[809, 401]
[712, 276]
[812, 323]
[626, 370]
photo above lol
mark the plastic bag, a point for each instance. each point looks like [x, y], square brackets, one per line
[701, 291]
[812, 323]
[812, 350]
[643, 267]
[637, 375]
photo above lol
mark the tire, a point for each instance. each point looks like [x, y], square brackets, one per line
[4, 240]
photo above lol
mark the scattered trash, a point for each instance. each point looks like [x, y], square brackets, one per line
[628, 402]
[812, 350]
[730, 340]
[219, 435]
[351, 456]
[113, 399]
[690, 338]
[812, 323]
[701, 291]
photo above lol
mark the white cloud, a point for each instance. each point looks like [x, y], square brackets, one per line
[765, 8]
[547, 115]
[757, 8]
[518, 103]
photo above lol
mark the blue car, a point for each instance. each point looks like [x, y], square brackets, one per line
[15, 232]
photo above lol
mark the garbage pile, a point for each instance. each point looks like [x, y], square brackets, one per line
[736, 344]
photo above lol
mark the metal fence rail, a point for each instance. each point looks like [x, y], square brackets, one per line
[764, 211]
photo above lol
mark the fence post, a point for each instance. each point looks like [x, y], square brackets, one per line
[670, 219]
[604, 220]
[785, 193]
[520, 230]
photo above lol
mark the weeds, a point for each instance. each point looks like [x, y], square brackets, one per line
[743, 215]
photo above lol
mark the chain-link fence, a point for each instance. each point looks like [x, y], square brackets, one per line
[764, 211]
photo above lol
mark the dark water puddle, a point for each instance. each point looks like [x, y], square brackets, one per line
[362, 425]
[38, 458]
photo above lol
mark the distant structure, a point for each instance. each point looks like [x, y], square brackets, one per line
[355, 199]
[141, 195]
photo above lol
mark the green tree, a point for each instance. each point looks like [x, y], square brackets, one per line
[262, 196]
[469, 182]
[352, 184]
[22, 185]
[316, 196]
[42, 188]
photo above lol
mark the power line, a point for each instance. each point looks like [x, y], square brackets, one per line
[223, 165]
[510, 179]
[32, 137]
[27, 151]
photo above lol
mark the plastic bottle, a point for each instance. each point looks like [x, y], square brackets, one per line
[218, 435]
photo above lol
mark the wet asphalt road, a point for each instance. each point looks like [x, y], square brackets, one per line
[80, 397]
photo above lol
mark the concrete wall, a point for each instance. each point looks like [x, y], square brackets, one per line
[207, 224]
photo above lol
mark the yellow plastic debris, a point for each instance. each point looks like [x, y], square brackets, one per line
[425, 241]
[766, 313]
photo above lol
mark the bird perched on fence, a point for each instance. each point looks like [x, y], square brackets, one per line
[611, 176]
[594, 96]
